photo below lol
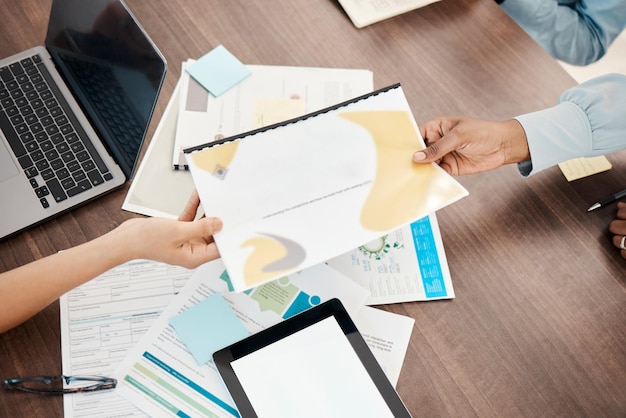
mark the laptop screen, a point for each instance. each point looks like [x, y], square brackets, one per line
[112, 67]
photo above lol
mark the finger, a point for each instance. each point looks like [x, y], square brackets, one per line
[437, 150]
[191, 207]
[619, 241]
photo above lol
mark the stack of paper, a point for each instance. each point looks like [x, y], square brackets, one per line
[377, 239]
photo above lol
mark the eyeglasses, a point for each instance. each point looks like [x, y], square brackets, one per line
[53, 385]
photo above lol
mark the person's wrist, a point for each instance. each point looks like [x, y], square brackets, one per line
[516, 146]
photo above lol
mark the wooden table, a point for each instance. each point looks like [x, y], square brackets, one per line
[538, 325]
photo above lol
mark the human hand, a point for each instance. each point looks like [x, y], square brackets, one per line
[184, 242]
[463, 145]
[618, 228]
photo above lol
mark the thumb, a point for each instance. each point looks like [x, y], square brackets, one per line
[436, 151]
[201, 228]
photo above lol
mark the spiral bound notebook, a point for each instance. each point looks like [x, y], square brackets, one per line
[295, 194]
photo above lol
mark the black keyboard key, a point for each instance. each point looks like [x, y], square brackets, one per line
[20, 129]
[73, 166]
[26, 137]
[33, 183]
[62, 173]
[47, 174]
[44, 203]
[42, 164]
[36, 127]
[7, 102]
[13, 110]
[79, 175]
[52, 155]
[36, 155]
[46, 120]
[95, 177]
[56, 111]
[57, 191]
[31, 172]
[42, 112]
[80, 187]
[56, 138]
[88, 165]
[57, 164]
[25, 161]
[42, 191]
[9, 132]
[30, 119]
[5, 74]
[82, 156]
[46, 146]
[68, 183]
[17, 119]
[67, 156]
[16, 68]
[31, 146]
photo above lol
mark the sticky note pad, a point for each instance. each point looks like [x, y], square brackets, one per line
[208, 326]
[578, 168]
[218, 71]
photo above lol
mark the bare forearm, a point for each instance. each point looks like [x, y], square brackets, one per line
[30, 288]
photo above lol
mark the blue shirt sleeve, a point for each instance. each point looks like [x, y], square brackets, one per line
[578, 32]
[588, 121]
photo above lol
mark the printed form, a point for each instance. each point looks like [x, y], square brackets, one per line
[163, 377]
[103, 320]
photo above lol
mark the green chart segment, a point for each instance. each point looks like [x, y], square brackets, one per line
[176, 393]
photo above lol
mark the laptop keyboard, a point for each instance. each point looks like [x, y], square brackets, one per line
[51, 147]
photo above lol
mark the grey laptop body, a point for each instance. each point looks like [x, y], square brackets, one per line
[74, 113]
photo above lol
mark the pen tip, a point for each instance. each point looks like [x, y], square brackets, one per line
[593, 207]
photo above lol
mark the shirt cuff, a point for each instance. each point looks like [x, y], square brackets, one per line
[554, 135]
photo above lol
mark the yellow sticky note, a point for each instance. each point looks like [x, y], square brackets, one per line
[578, 168]
[270, 111]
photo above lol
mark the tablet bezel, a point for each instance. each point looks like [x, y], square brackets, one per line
[223, 358]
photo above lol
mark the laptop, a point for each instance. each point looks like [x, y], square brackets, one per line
[74, 113]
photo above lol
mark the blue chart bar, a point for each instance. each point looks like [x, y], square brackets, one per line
[428, 258]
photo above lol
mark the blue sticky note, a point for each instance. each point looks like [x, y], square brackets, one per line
[208, 326]
[218, 71]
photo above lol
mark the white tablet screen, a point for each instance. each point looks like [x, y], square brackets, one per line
[311, 373]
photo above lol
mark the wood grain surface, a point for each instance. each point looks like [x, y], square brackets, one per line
[538, 325]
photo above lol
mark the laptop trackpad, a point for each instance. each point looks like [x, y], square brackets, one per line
[7, 166]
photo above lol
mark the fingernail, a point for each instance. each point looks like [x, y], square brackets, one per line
[419, 156]
[217, 224]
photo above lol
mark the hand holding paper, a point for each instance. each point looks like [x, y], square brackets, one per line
[296, 194]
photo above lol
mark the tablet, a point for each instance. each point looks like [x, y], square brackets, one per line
[313, 364]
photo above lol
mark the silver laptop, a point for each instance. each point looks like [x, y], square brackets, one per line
[74, 113]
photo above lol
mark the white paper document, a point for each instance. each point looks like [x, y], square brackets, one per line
[271, 94]
[158, 190]
[366, 12]
[102, 319]
[406, 265]
[161, 376]
[300, 193]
